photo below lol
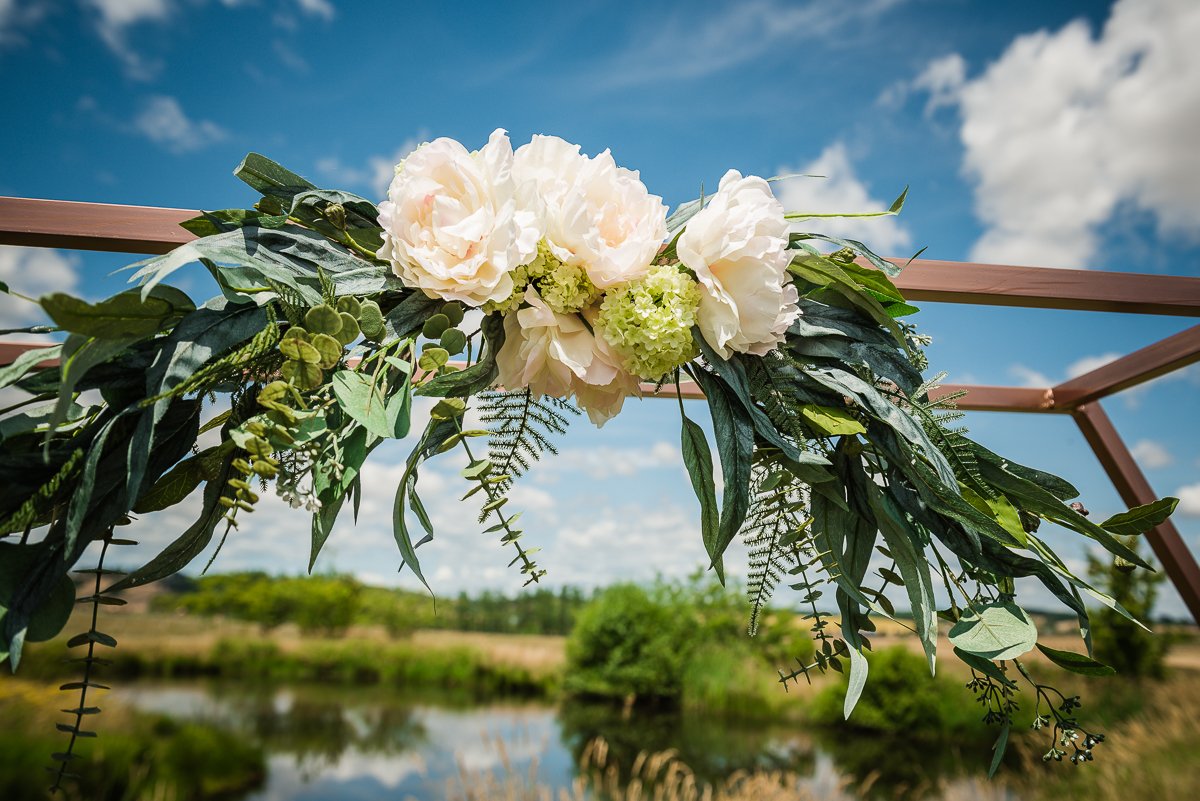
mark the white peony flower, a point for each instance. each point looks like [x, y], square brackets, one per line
[557, 355]
[594, 214]
[451, 224]
[737, 246]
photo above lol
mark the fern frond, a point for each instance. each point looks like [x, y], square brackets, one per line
[780, 405]
[290, 302]
[520, 428]
[250, 357]
[936, 417]
[773, 534]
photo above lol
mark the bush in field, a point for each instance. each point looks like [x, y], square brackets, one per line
[681, 641]
[627, 643]
[1117, 640]
[900, 697]
[326, 604]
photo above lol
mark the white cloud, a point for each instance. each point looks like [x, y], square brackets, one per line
[735, 34]
[1087, 364]
[1189, 500]
[113, 20]
[942, 79]
[373, 176]
[1028, 377]
[601, 462]
[33, 272]
[16, 18]
[317, 8]
[1151, 455]
[1066, 127]
[840, 191]
[163, 122]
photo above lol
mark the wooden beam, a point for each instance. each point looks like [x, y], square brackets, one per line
[1045, 288]
[91, 226]
[144, 229]
[1178, 562]
[1150, 362]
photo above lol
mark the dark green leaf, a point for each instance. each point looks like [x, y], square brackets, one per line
[268, 178]
[998, 749]
[1141, 519]
[735, 445]
[188, 545]
[1076, 663]
[174, 485]
[697, 460]
[30, 359]
[129, 315]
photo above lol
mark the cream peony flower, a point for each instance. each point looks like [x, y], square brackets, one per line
[737, 246]
[557, 355]
[594, 214]
[451, 224]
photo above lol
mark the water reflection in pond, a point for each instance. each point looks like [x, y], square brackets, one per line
[369, 743]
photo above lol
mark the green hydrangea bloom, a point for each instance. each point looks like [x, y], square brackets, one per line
[520, 277]
[649, 321]
[565, 288]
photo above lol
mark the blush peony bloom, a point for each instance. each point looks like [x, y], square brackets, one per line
[557, 355]
[594, 214]
[451, 224]
[737, 246]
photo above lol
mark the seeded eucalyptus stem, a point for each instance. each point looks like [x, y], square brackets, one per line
[64, 757]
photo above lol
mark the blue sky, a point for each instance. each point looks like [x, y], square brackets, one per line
[1054, 134]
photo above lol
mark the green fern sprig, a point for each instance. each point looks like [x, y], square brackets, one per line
[290, 302]
[28, 512]
[937, 417]
[772, 533]
[781, 406]
[520, 428]
[257, 355]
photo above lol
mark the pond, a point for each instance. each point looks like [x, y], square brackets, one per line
[325, 743]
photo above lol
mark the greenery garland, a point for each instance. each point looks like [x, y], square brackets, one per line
[333, 313]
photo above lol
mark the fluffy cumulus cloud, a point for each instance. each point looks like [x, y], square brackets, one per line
[163, 121]
[1189, 500]
[33, 272]
[1151, 455]
[1071, 127]
[840, 190]
[375, 174]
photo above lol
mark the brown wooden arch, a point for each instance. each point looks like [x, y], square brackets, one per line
[144, 229]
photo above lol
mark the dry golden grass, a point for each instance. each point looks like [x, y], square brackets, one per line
[539, 653]
[1153, 755]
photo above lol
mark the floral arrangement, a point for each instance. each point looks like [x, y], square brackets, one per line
[533, 285]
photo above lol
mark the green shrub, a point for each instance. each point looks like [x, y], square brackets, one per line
[900, 697]
[627, 643]
[683, 642]
[1118, 641]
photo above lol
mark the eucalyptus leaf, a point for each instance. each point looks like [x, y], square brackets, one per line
[995, 631]
[360, 397]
